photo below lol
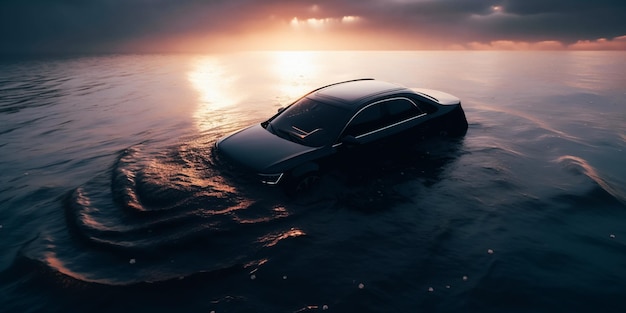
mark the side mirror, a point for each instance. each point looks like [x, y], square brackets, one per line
[350, 140]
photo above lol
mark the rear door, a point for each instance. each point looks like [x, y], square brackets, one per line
[384, 118]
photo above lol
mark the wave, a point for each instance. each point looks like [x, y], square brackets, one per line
[536, 122]
[579, 165]
[157, 216]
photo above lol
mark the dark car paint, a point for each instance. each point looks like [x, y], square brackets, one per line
[267, 153]
[257, 149]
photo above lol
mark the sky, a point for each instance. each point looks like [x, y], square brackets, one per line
[109, 26]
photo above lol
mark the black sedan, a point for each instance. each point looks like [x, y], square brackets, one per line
[335, 121]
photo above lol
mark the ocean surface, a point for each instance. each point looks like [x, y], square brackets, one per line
[110, 199]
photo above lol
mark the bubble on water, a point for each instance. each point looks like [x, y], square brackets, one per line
[431, 289]
[465, 278]
[447, 286]
[361, 286]
[324, 307]
[132, 261]
[252, 277]
[490, 251]
[0, 226]
[212, 311]
[284, 276]
[612, 236]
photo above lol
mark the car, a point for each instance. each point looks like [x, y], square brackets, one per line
[348, 120]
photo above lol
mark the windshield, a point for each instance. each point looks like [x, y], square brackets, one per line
[309, 122]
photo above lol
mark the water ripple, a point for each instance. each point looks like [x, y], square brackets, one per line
[579, 165]
[159, 202]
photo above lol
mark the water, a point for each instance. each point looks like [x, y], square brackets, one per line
[111, 200]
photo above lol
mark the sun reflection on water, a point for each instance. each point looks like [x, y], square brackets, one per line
[296, 71]
[276, 78]
[59, 266]
[235, 90]
[215, 88]
[273, 239]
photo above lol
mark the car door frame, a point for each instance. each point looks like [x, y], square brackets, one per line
[384, 130]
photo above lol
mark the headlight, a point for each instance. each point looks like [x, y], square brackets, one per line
[271, 179]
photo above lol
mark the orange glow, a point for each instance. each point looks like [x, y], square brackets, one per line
[317, 29]
[320, 34]
[318, 23]
[618, 43]
[86, 214]
[214, 87]
[294, 69]
[58, 265]
[516, 45]
[273, 239]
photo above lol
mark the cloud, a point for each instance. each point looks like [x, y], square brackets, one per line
[516, 45]
[162, 25]
[517, 20]
[618, 43]
[565, 21]
[317, 23]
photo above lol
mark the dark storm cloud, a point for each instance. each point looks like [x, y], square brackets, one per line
[111, 25]
[66, 25]
[488, 20]
[107, 25]
[564, 20]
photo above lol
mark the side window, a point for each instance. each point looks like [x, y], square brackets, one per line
[400, 109]
[380, 114]
[365, 121]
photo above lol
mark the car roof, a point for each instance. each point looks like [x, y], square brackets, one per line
[353, 93]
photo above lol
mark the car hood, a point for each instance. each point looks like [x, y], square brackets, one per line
[260, 150]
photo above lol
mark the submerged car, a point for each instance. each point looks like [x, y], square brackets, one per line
[350, 119]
